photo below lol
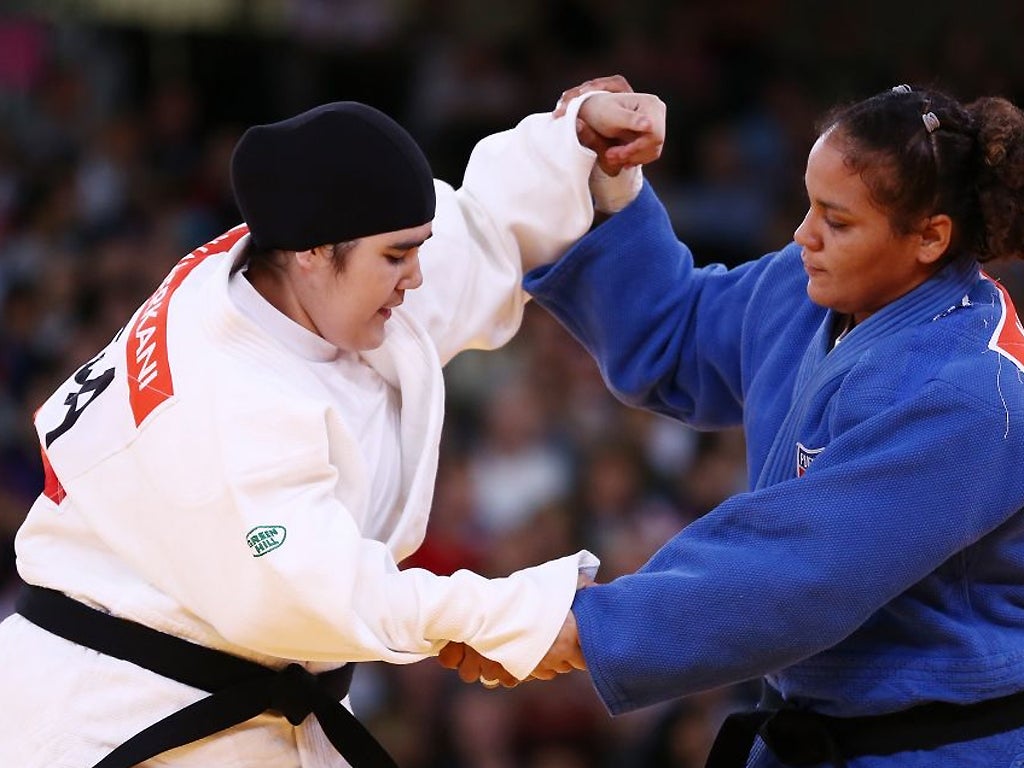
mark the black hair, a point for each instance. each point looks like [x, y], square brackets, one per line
[921, 152]
[258, 257]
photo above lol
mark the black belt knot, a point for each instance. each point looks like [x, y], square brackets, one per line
[239, 689]
[292, 693]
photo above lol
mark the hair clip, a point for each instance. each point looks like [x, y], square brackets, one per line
[902, 88]
[931, 122]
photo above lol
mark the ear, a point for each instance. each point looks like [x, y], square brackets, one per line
[935, 236]
[308, 260]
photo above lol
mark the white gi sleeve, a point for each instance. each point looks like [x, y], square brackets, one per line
[524, 200]
[324, 592]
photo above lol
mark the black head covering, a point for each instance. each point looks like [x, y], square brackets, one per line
[338, 172]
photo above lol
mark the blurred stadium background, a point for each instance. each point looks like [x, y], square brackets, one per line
[117, 118]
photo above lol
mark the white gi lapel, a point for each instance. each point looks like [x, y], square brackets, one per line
[408, 361]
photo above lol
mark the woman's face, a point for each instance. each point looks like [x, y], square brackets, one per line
[350, 306]
[855, 262]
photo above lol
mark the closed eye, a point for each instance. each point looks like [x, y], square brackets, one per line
[396, 253]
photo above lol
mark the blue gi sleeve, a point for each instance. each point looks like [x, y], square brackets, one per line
[667, 336]
[775, 576]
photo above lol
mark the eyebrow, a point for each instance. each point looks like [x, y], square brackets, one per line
[408, 245]
[832, 206]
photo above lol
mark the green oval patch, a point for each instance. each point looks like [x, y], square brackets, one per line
[265, 538]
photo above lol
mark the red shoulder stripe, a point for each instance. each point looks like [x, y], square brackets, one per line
[1008, 337]
[52, 489]
[149, 374]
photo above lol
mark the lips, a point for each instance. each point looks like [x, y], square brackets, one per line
[386, 309]
[812, 270]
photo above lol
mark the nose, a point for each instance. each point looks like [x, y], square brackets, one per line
[804, 234]
[413, 276]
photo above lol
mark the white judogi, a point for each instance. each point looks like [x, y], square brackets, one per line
[221, 474]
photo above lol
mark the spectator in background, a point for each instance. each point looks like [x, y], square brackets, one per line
[516, 468]
[730, 64]
[620, 511]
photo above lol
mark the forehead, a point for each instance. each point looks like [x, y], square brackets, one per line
[830, 179]
[827, 159]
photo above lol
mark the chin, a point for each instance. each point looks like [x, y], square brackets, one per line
[815, 295]
[820, 297]
[367, 345]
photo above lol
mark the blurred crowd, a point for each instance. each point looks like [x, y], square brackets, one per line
[114, 147]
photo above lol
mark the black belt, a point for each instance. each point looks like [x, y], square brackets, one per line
[241, 689]
[801, 738]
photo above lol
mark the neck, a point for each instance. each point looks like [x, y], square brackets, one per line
[842, 325]
[272, 283]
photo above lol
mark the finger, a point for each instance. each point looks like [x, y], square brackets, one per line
[492, 670]
[589, 138]
[638, 112]
[633, 121]
[451, 655]
[634, 149]
[612, 160]
[626, 119]
[563, 101]
[613, 83]
[616, 121]
[610, 83]
[634, 153]
[610, 167]
[468, 674]
[584, 132]
[506, 678]
[469, 669]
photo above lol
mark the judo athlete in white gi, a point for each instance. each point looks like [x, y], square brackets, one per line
[873, 575]
[247, 461]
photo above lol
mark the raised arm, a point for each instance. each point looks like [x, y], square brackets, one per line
[526, 197]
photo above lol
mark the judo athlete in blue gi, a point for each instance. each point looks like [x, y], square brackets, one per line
[873, 575]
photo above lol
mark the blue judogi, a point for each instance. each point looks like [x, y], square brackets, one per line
[878, 560]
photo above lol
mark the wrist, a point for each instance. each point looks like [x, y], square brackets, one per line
[613, 193]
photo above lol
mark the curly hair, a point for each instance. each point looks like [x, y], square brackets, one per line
[965, 161]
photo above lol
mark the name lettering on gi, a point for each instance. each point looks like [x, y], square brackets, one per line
[150, 379]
